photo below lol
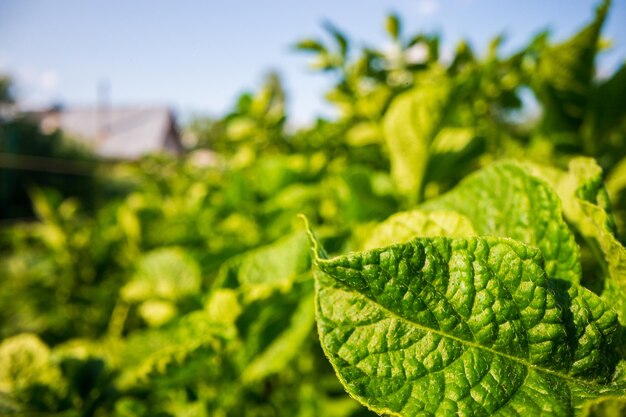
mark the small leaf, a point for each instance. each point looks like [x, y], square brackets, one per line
[310, 45]
[339, 37]
[157, 312]
[392, 24]
[494, 46]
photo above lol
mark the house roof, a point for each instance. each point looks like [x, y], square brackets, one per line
[119, 132]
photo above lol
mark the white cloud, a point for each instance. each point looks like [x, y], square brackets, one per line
[49, 80]
[427, 7]
[39, 81]
[35, 87]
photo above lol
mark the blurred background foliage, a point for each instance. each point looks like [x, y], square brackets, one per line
[182, 286]
[51, 159]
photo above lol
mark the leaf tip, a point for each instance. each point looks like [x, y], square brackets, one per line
[316, 246]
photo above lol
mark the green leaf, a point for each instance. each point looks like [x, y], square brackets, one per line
[310, 45]
[616, 180]
[8, 406]
[165, 273]
[452, 150]
[452, 140]
[286, 346]
[404, 226]
[274, 172]
[364, 133]
[392, 24]
[222, 306]
[441, 326]
[166, 353]
[340, 38]
[607, 109]
[157, 312]
[29, 375]
[565, 74]
[506, 200]
[266, 328]
[358, 198]
[409, 126]
[586, 206]
[609, 406]
[278, 264]
[273, 296]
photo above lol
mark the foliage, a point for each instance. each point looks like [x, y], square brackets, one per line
[30, 158]
[6, 97]
[490, 325]
[477, 267]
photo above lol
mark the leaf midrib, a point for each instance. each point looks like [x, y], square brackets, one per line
[469, 343]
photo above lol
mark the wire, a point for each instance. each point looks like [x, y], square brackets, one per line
[45, 164]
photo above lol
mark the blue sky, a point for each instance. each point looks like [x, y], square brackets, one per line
[197, 56]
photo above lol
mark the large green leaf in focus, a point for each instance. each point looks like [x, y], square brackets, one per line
[506, 200]
[463, 326]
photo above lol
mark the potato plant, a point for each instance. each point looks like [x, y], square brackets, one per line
[459, 255]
